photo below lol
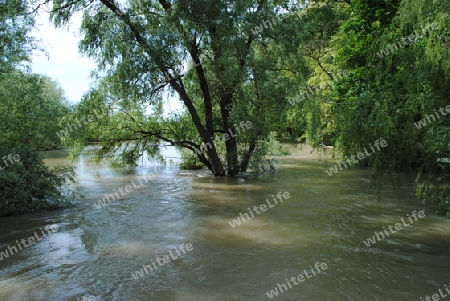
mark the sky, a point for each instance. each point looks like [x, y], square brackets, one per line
[63, 62]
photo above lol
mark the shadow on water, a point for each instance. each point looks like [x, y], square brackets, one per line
[96, 251]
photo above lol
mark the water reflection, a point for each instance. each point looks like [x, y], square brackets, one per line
[326, 219]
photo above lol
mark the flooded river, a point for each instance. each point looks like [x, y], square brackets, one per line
[170, 237]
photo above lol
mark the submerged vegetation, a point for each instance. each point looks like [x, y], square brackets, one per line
[383, 97]
[329, 73]
[29, 185]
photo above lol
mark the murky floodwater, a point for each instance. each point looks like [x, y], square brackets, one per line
[326, 219]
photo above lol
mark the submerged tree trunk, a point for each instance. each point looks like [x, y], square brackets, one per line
[207, 135]
[231, 143]
[219, 44]
[214, 160]
[247, 155]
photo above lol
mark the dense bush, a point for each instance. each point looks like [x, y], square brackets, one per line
[397, 95]
[31, 106]
[29, 185]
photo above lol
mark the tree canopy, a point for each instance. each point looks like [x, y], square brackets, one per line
[16, 43]
[395, 55]
[328, 72]
[224, 60]
[31, 107]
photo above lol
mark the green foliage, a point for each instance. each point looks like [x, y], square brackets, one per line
[189, 161]
[15, 42]
[384, 95]
[29, 185]
[227, 66]
[263, 159]
[146, 49]
[275, 148]
[30, 108]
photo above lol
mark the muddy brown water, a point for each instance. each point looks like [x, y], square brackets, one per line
[96, 251]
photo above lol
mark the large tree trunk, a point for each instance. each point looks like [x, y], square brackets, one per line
[207, 136]
[231, 143]
[207, 133]
[216, 164]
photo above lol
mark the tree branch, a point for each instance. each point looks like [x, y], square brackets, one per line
[177, 86]
[165, 5]
[322, 67]
[207, 100]
[67, 5]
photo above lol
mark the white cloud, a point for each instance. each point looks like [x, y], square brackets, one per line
[62, 62]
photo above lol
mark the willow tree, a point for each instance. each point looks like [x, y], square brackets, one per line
[29, 105]
[16, 43]
[217, 57]
[396, 56]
